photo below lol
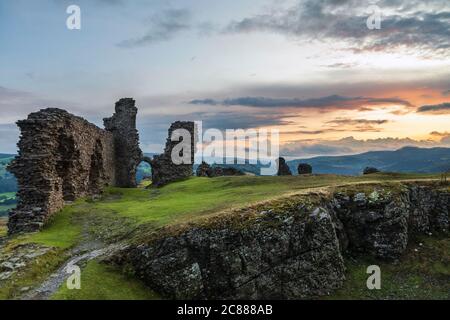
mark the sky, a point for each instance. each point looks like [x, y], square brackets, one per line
[310, 68]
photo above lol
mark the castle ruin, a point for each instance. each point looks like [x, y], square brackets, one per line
[164, 170]
[63, 157]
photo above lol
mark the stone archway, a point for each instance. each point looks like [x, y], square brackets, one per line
[95, 170]
[144, 170]
[66, 153]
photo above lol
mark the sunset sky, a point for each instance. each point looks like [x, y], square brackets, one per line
[310, 68]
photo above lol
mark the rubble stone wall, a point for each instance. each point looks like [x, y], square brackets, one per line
[126, 141]
[63, 157]
[164, 170]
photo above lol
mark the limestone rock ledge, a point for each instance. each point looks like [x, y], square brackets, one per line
[291, 248]
[299, 257]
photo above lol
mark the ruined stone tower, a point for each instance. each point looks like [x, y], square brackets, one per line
[164, 170]
[63, 157]
[126, 142]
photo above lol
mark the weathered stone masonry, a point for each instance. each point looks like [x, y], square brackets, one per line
[126, 142]
[164, 170]
[63, 157]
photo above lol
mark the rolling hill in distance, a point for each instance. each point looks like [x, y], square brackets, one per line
[407, 159]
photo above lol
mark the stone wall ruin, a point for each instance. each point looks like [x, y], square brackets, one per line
[63, 157]
[164, 170]
[128, 155]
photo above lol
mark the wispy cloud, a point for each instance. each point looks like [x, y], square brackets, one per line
[328, 102]
[357, 125]
[443, 108]
[405, 24]
[163, 26]
[357, 121]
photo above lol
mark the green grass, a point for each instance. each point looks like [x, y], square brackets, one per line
[65, 229]
[196, 197]
[122, 209]
[421, 274]
[103, 282]
[3, 228]
[8, 195]
[5, 208]
[36, 272]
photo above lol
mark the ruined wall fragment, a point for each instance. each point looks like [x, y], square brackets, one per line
[61, 158]
[128, 155]
[164, 170]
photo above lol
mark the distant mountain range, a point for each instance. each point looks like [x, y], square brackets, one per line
[407, 159]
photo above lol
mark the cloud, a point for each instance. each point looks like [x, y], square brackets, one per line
[357, 125]
[163, 27]
[350, 145]
[443, 108]
[446, 93]
[306, 132]
[439, 134]
[153, 127]
[16, 104]
[9, 134]
[444, 136]
[358, 121]
[328, 102]
[405, 24]
[82, 3]
[340, 65]
[241, 120]
[111, 2]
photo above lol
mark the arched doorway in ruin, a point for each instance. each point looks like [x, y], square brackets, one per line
[144, 172]
[95, 170]
[66, 153]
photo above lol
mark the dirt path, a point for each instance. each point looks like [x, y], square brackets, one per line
[88, 249]
[81, 255]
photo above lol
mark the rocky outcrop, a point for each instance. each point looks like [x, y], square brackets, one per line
[223, 171]
[283, 168]
[304, 168]
[13, 261]
[288, 256]
[205, 170]
[63, 157]
[380, 223]
[164, 169]
[370, 170]
[291, 248]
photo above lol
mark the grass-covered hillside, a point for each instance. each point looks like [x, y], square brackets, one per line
[120, 213]
[189, 200]
[407, 159]
[8, 186]
[7, 201]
